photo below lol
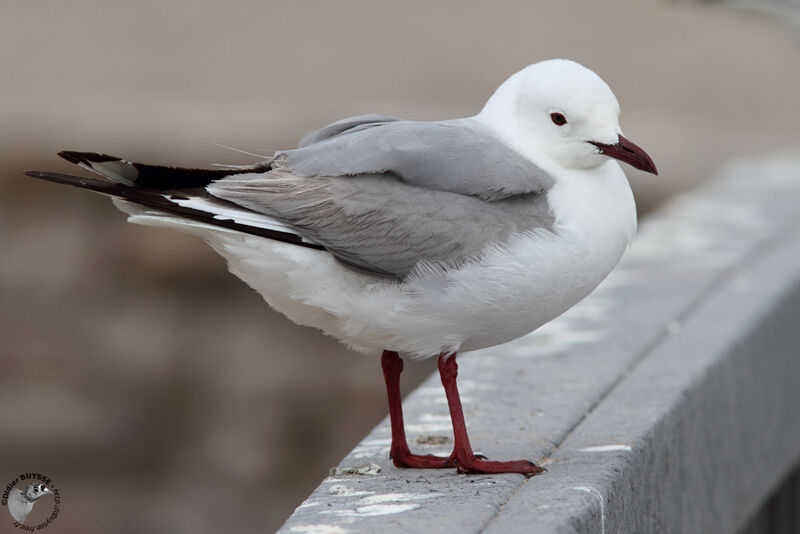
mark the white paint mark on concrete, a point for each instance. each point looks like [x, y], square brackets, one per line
[428, 428]
[599, 496]
[318, 529]
[433, 418]
[607, 448]
[383, 442]
[384, 504]
[393, 497]
[341, 490]
[307, 504]
[372, 510]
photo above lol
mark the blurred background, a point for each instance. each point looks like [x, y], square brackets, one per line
[158, 391]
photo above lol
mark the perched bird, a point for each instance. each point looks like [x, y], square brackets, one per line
[417, 238]
[20, 504]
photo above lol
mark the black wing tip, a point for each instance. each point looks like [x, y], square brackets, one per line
[156, 198]
[86, 157]
[56, 177]
[101, 186]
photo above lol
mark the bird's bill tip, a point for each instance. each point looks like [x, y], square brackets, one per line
[630, 153]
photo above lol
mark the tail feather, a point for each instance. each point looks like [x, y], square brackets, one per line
[187, 203]
[92, 184]
[131, 174]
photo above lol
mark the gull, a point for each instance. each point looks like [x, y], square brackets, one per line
[415, 239]
[21, 503]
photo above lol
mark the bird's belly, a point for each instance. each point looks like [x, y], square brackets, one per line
[529, 284]
[512, 290]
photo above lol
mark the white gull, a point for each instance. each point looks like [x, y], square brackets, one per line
[417, 238]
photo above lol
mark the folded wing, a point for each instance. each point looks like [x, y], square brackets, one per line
[382, 195]
[381, 224]
[459, 156]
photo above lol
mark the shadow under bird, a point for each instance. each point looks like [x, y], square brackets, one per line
[21, 503]
[416, 239]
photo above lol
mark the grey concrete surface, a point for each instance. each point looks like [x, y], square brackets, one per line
[665, 402]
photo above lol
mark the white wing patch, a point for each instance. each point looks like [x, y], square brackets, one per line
[243, 218]
[239, 216]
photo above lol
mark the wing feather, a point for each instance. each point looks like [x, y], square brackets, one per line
[381, 224]
[459, 156]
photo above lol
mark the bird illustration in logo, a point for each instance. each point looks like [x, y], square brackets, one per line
[21, 503]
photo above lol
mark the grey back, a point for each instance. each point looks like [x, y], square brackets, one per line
[335, 128]
[458, 156]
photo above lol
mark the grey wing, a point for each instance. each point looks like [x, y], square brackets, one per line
[342, 126]
[380, 224]
[459, 156]
[18, 506]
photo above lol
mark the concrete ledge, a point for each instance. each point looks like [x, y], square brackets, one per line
[665, 402]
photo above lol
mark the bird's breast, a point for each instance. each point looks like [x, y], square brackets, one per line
[539, 275]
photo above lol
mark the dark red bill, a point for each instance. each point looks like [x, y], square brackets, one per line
[630, 153]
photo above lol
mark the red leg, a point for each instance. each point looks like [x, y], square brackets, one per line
[400, 454]
[465, 459]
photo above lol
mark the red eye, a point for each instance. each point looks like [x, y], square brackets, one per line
[558, 119]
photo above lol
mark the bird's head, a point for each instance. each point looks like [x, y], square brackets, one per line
[36, 490]
[563, 112]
